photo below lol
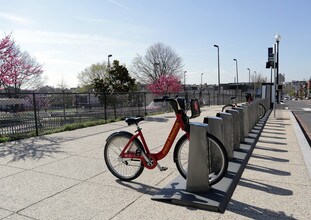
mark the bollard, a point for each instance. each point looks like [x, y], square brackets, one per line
[215, 127]
[198, 166]
[241, 121]
[236, 127]
[252, 115]
[228, 132]
[252, 122]
[246, 120]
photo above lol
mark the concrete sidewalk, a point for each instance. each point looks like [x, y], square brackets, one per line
[63, 176]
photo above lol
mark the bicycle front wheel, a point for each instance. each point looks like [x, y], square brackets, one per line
[125, 169]
[227, 107]
[217, 158]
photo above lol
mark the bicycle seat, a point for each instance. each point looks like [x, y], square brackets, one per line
[133, 120]
[233, 97]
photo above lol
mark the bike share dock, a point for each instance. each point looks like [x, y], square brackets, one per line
[239, 129]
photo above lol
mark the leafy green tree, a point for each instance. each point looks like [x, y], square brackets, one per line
[120, 79]
[101, 86]
[87, 76]
[117, 80]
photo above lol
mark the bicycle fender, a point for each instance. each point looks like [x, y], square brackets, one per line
[118, 133]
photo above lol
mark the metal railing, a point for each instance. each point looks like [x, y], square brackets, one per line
[34, 114]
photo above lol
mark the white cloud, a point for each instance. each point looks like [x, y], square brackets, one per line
[14, 19]
[118, 4]
[61, 38]
[98, 20]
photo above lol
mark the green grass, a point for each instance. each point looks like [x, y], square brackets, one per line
[68, 127]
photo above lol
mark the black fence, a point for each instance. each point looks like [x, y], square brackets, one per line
[34, 114]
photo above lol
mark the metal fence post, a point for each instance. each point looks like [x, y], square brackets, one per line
[35, 112]
[105, 107]
[145, 104]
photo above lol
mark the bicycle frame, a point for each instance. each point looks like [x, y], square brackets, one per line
[150, 159]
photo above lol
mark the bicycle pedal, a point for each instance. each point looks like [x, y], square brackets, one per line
[163, 168]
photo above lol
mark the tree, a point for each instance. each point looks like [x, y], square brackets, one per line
[117, 80]
[120, 79]
[159, 60]
[165, 85]
[16, 68]
[87, 76]
[258, 79]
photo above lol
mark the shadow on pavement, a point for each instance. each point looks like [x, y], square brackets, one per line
[139, 187]
[269, 158]
[31, 149]
[270, 149]
[267, 170]
[157, 119]
[254, 212]
[273, 137]
[270, 132]
[264, 187]
[271, 142]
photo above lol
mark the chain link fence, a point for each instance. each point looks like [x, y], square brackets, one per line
[33, 114]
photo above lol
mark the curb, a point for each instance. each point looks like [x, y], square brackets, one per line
[303, 143]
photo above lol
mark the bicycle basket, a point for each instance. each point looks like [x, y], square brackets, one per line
[195, 108]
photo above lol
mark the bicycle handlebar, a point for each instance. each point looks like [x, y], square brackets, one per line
[164, 99]
[174, 103]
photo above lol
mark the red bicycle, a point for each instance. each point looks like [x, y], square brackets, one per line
[126, 154]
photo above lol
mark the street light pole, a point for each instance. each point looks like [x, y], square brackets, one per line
[185, 80]
[109, 60]
[201, 80]
[277, 39]
[218, 67]
[249, 79]
[255, 77]
[237, 75]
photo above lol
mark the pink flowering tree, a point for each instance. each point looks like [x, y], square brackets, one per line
[164, 85]
[16, 67]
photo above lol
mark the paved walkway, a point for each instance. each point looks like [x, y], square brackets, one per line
[63, 176]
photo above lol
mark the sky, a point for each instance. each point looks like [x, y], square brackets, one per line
[68, 36]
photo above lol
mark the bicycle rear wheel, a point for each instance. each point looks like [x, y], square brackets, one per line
[227, 107]
[262, 110]
[218, 158]
[125, 169]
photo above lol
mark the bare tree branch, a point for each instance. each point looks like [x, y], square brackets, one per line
[159, 60]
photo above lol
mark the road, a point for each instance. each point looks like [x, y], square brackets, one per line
[302, 111]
